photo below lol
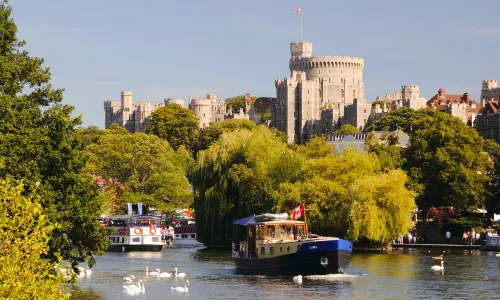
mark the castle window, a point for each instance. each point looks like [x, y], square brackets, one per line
[353, 94]
[199, 108]
[203, 114]
[364, 111]
[308, 92]
[319, 71]
[342, 93]
[329, 80]
[353, 80]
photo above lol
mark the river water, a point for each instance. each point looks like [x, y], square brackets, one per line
[402, 274]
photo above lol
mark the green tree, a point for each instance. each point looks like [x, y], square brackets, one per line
[401, 119]
[347, 129]
[237, 176]
[236, 103]
[141, 168]
[38, 144]
[175, 124]
[213, 132]
[387, 149]
[493, 199]
[447, 158]
[24, 234]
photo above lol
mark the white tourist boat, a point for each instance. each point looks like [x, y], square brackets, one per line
[134, 233]
[185, 233]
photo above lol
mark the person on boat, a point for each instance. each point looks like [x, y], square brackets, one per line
[171, 233]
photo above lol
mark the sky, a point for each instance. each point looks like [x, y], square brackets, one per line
[162, 48]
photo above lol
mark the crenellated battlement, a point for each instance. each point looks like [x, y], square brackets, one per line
[315, 62]
[490, 84]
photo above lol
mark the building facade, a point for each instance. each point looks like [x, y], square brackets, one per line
[458, 105]
[208, 110]
[488, 122]
[315, 83]
[490, 90]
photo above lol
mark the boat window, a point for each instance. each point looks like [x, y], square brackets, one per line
[299, 232]
[123, 239]
[270, 231]
[288, 249]
[281, 249]
[272, 251]
[250, 232]
[259, 232]
[136, 239]
[285, 232]
[262, 251]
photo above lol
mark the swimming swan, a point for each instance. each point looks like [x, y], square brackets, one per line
[297, 279]
[180, 275]
[135, 288]
[438, 268]
[181, 289]
[165, 275]
[129, 278]
[438, 257]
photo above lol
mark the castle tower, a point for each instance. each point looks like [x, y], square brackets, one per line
[126, 100]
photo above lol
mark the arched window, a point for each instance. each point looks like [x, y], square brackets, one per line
[342, 93]
[353, 94]
[329, 81]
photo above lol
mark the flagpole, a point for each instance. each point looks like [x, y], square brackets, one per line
[305, 218]
[301, 24]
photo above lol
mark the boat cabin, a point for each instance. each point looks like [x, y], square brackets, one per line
[269, 238]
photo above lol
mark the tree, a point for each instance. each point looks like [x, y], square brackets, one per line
[213, 132]
[175, 124]
[401, 119]
[387, 149]
[237, 176]
[236, 103]
[493, 199]
[447, 159]
[141, 168]
[347, 129]
[38, 144]
[24, 234]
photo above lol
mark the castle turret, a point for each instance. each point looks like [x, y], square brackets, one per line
[126, 100]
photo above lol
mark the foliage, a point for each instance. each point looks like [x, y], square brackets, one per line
[24, 235]
[316, 147]
[446, 157]
[213, 132]
[141, 168]
[444, 215]
[350, 197]
[38, 144]
[237, 176]
[347, 129]
[381, 103]
[283, 137]
[493, 199]
[387, 150]
[175, 124]
[401, 119]
[236, 103]
[266, 115]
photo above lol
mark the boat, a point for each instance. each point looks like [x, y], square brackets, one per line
[273, 245]
[185, 233]
[134, 233]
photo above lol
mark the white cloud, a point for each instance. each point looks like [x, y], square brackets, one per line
[489, 33]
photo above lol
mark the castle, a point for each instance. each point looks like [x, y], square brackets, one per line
[135, 116]
[326, 92]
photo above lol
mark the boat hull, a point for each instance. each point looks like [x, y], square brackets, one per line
[129, 248]
[313, 258]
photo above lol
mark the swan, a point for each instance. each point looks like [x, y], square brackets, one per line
[180, 275]
[155, 273]
[165, 275]
[88, 271]
[297, 279]
[440, 257]
[129, 278]
[438, 268]
[81, 272]
[135, 288]
[181, 289]
[498, 254]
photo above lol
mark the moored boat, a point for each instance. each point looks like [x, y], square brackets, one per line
[134, 233]
[274, 245]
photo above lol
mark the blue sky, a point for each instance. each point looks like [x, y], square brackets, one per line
[161, 48]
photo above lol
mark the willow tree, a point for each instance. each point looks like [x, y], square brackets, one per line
[141, 168]
[237, 176]
[350, 196]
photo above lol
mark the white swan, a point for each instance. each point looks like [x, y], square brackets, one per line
[81, 272]
[497, 254]
[129, 278]
[165, 275]
[181, 289]
[135, 288]
[438, 268]
[179, 275]
[297, 279]
[88, 271]
[155, 273]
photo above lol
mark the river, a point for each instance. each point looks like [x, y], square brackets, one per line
[402, 274]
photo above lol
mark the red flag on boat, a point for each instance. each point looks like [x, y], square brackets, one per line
[298, 212]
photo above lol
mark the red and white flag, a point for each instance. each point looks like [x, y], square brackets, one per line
[298, 212]
[298, 10]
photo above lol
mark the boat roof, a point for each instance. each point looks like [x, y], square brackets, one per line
[279, 222]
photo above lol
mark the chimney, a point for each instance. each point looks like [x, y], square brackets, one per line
[441, 92]
[483, 102]
[466, 98]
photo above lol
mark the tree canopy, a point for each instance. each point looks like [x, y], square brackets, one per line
[401, 119]
[347, 129]
[446, 158]
[141, 168]
[236, 103]
[24, 274]
[38, 144]
[213, 132]
[175, 124]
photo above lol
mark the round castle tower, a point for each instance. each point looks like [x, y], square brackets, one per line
[202, 109]
[342, 75]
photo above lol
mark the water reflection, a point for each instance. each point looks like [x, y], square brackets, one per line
[212, 275]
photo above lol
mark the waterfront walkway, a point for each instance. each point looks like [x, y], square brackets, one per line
[440, 246]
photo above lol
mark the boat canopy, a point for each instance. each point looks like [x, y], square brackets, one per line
[245, 221]
[261, 218]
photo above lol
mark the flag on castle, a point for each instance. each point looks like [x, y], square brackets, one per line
[298, 10]
[298, 212]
